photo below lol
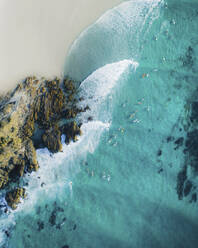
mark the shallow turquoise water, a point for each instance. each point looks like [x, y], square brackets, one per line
[117, 186]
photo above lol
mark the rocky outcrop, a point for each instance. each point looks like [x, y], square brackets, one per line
[52, 139]
[14, 197]
[71, 131]
[35, 106]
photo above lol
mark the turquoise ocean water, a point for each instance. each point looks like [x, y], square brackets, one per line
[118, 185]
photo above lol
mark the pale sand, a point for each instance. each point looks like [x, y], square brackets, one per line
[35, 35]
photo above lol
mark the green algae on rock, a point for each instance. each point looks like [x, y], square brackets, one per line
[13, 197]
[35, 106]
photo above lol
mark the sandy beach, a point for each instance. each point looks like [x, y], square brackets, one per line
[36, 35]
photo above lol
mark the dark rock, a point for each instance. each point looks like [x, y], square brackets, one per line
[59, 209]
[52, 139]
[90, 118]
[194, 112]
[52, 219]
[189, 58]
[38, 210]
[181, 178]
[40, 225]
[71, 131]
[191, 147]
[179, 142]
[169, 139]
[58, 226]
[7, 233]
[187, 188]
[193, 198]
[159, 153]
[42, 184]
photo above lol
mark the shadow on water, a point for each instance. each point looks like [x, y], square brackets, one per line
[165, 229]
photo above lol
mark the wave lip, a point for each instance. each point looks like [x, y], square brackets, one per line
[97, 87]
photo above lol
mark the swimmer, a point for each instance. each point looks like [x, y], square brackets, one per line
[144, 75]
[70, 185]
[148, 108]
[140, 101]
[133, 114]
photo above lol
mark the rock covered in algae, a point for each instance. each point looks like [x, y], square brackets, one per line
[34, 106]
[13, 197]
[52, 139]
[71, 131]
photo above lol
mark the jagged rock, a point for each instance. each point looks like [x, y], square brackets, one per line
[71, 131]
[13, 197]
[33, 105]
[28, 128]
[18, 168]
[52, 139]
[31, 159]
[49, 105]
[69, 85]
[3, 178]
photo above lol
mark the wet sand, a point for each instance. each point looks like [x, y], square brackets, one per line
[36, 35]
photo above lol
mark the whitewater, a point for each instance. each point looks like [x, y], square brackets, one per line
[117, 185]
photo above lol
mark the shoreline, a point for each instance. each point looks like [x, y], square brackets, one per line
[35, 115]
[36, 39]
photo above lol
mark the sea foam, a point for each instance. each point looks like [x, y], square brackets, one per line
[56, 170]
[115, 36]
[55, 173]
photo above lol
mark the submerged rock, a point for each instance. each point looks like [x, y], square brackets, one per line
[181, 178]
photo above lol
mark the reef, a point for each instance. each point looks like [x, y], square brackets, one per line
[188, 173]
[35, 114]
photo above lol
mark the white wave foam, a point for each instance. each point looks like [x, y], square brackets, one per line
[99, 85]
[55, 172]
[117, 35]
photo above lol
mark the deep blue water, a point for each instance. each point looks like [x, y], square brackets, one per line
[118, 185]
